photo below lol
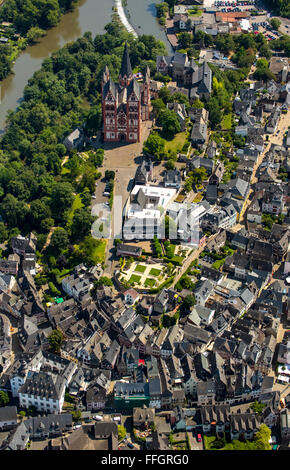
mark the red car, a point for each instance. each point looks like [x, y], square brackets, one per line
[199, 438]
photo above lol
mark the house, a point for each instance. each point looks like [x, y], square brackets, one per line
[219, 218]
[217, 173]
[285, 425]
[76, 287]
[180, 111]
[44, 381]
[144, 173]
[130, 296]
[204, 315]
[272, 122]
[129, 393]
[206, 392]
[128, 250]
[17, 439]
[272, 203]
[164, 301]
[174, 336]
[215, 418]
[22, 245]
[99, 436]
[203, 292]
[201, 84]
[172, 179]
[96, 398]
[143, 417]
[74, 140]
[8, 417]
[244, 425]
[10, 266]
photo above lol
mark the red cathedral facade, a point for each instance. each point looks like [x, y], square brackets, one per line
[125, 105]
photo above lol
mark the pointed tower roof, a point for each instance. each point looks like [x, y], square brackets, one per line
[126, 69]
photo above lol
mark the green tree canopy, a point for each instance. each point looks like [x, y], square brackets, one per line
[55, 340]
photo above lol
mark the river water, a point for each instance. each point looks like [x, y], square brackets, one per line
[90, 15]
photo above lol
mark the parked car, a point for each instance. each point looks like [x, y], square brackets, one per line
[199, 438]
[130, 445]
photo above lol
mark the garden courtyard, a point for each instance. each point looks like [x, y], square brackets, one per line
[145, 275]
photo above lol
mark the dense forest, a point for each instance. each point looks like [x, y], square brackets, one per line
[38, 190]
[26, 14]
[280, 7]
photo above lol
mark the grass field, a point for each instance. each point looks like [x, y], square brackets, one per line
[192, 12]
[227, 121]
[77, 204]
[140, 268]
[134, 278]
[100, 251]
[149, 282]
[155, 272]
[176, 143]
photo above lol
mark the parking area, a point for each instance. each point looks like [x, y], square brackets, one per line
[260, 24]
[194, 443]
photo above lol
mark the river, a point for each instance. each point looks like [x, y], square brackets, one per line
[90, 15]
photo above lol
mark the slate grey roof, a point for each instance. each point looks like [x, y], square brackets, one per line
[8, 413]
[126, 69]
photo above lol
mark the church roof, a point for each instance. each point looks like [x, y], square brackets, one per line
[126, 69]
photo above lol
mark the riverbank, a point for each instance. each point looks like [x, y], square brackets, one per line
[19, 40]
[89, 16]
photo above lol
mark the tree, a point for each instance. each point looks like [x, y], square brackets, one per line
[61, 199]
[155, 146]
[4, 398]
[103, 281]
[81, 223]
[76, 415]
[55, 340]
[3, 232]
[94, 120]
[169, 121]
[257, 407]
[34, 34]
[170, 164]
[22, 414]
[275, 23]
[185, 40]
[262, 438]
[188, 303]
[122, 433]
[59, 241]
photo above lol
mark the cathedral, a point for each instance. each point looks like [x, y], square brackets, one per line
[125, 105]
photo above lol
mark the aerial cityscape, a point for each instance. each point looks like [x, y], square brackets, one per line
[145, 226]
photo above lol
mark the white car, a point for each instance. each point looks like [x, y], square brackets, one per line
[94, 197]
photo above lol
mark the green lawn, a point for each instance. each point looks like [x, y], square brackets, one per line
[155, 272]
[77, 204]
[134, 278]
[177, 142]
[140, 268]
[227, 121]
[100, 251]
[208, 440]
[192, 12]
[149, 282]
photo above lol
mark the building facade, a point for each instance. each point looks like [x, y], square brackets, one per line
[125, 105]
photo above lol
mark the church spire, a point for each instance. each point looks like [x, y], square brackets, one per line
[126, 69]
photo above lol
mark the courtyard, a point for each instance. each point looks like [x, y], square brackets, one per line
[145, 275]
